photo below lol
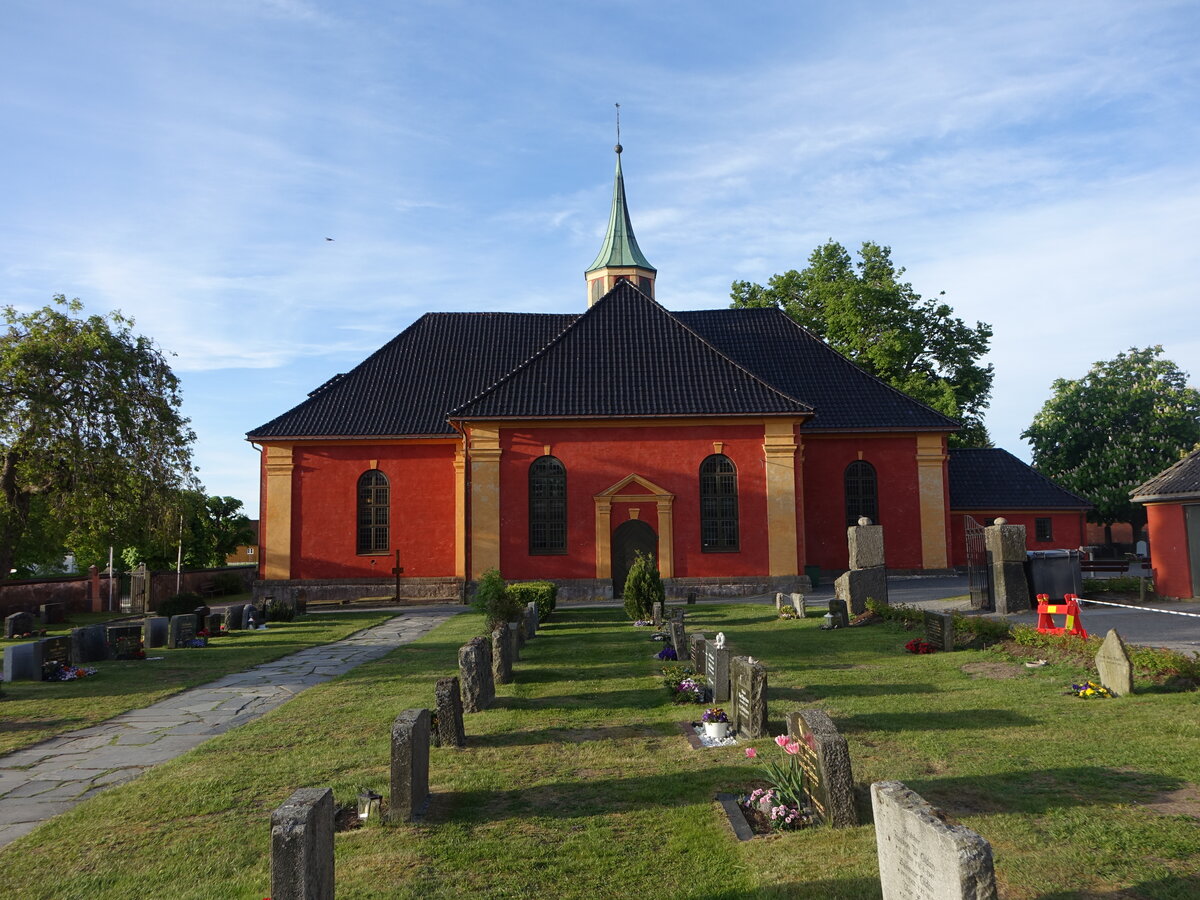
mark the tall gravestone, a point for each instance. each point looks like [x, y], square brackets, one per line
[748, 688]
[921, 857]
[716, 670]
[124, 641]
[799, 605]
[251, 617]
[531, 619]
[181, 630]
[656, 613]
[213, 623]
[1005, 546]
[867, 578]
[23, 662]
[450, 731]
[156, 631]
[502, 647]
[514, 641]
[302, 846]
[410, 765]
[475, 672]
[56, 653]
[233, 616]
[679, 639]
[89, 644]
[518, 627]
[838, 618]
[18, 625]
[825, 759]
[939, 630]
[696, 644]
[1112, 662]
[52, 613]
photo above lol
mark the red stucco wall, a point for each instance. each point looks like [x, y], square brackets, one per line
[324, 502]
[1068, 529]
[597, 458]
[1169, 549]
[894, 459]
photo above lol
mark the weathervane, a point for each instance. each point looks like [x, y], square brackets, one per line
[618, 147]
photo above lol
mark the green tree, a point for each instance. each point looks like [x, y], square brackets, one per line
[210, 528]
[91, 436]
[643, 587]
[864, 311]
[1104, 434]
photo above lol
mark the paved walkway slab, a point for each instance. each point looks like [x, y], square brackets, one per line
[51, 777]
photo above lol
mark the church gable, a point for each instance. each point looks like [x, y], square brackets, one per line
[628, 357]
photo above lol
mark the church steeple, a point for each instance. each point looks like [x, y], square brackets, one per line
[620, 256]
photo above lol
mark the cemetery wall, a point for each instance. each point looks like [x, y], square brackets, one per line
[26, 596]
[1068, 528]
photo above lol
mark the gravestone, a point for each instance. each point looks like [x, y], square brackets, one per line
[251, 617]
[825, 758]
[23, 662]
[716, 670]
[677, 614]
[156, 631]
[502, 646]
[475, 674]
[450, 731]
[213, 623]
[302, 846]
[696, 644]
[678, 639]
[518, 625]
[858, 586]
[656, 613]
[180, 630]
[837, 612]
[514, 640]
[52, 613]
[18, 625]
[748, 686]
[799, 605]
[410, 765]
[778, 601]
[233, 616]
[939, 630]
[531, 619]
[865, 543]
[89, 644]
[1006, 551]
[124, 641]
[202, 613]
[1112, 662]
[921, 857]
[56, 653]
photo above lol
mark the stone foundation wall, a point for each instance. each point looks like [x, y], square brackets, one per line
[412, 590]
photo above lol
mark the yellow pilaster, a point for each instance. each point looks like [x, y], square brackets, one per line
[931, 484]
[460, 512]
[277, 551]
[485, 499]
[603, 537]
[779, 452]
[666, 538]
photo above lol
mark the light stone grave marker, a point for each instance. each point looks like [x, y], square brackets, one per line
[799, 605]
[716, 669]
[23, 662]
[502, 653]
[1112, 662]
[921, 857]
[475, 672]
[696, 646]
[448, 701]
[410, 765]
[302, 846]
[233, 616]
[748, 685]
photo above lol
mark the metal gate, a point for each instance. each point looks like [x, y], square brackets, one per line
[979, 573]
[138, 598]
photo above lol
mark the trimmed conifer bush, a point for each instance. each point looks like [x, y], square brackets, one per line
[643, 587]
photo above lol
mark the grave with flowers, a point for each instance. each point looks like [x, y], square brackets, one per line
[783, 805]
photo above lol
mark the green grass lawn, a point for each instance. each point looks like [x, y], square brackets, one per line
[33, 711]
[578, 783]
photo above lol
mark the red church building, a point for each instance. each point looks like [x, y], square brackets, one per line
[732, 443]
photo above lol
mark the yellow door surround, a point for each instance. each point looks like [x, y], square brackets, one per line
[664, 500]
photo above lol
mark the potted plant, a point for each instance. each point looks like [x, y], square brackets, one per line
[716, 723]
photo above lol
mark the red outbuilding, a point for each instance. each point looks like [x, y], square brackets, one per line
[1172, 500]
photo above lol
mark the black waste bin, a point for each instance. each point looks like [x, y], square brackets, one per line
[1053, 572]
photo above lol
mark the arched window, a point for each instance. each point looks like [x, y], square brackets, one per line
[718, 505]
[547, 506]
[862, 493]
[373, 494]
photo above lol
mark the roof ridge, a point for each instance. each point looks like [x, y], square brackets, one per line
[1035, 471]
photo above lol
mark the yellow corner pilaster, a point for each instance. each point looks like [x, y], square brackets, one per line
[460, 512]
[666, 538]
[931, 485]
[779, 453]
[603, 537]
[485, 499]
[277, 511]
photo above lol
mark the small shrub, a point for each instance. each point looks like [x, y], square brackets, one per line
[905, 615]
[492, 598]
[643, 587]
[280, 611]
[179, 604]
[983, 631]
[1124, 584]
[542, 593]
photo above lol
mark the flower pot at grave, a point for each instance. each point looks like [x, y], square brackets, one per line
[717, 731]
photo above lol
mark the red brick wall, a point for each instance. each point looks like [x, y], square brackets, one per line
[1169, 549]
[1067, 528]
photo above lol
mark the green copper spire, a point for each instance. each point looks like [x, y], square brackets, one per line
[620, 248]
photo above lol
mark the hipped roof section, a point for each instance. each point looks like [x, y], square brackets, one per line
[1180, 481]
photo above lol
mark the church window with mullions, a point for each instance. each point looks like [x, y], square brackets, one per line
[547, 506]
[718, 505]
[373, 498]
[862, 493]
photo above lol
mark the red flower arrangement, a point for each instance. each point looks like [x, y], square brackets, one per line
[916, 645]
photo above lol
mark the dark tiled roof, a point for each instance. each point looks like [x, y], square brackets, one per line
[800, 364]
[408, 385]
[994, 479]
[1180, 482]
[627, 356]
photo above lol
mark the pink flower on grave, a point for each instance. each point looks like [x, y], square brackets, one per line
[793, 748]
[751, 753]
[781, 740]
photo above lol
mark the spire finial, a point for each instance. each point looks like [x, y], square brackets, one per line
[618, 147]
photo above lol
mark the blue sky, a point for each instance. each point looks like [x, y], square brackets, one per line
[185, 161]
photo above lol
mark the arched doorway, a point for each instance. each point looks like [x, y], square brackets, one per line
[627, 540]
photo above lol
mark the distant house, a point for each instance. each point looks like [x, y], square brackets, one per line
[988, 483]
[1172, 500]
[246, 554]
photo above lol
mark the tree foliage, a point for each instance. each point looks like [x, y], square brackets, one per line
[864, 311]
[92, 443]
[643, 587]
[1104, 434]
[209, 528]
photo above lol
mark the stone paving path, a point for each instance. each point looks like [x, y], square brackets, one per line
[53, 776]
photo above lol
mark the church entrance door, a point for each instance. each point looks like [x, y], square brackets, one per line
[627, 540]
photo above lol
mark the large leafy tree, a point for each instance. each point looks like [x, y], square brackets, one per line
[93, 447]
[864, 311]
[209, 529]
[1104, 434]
